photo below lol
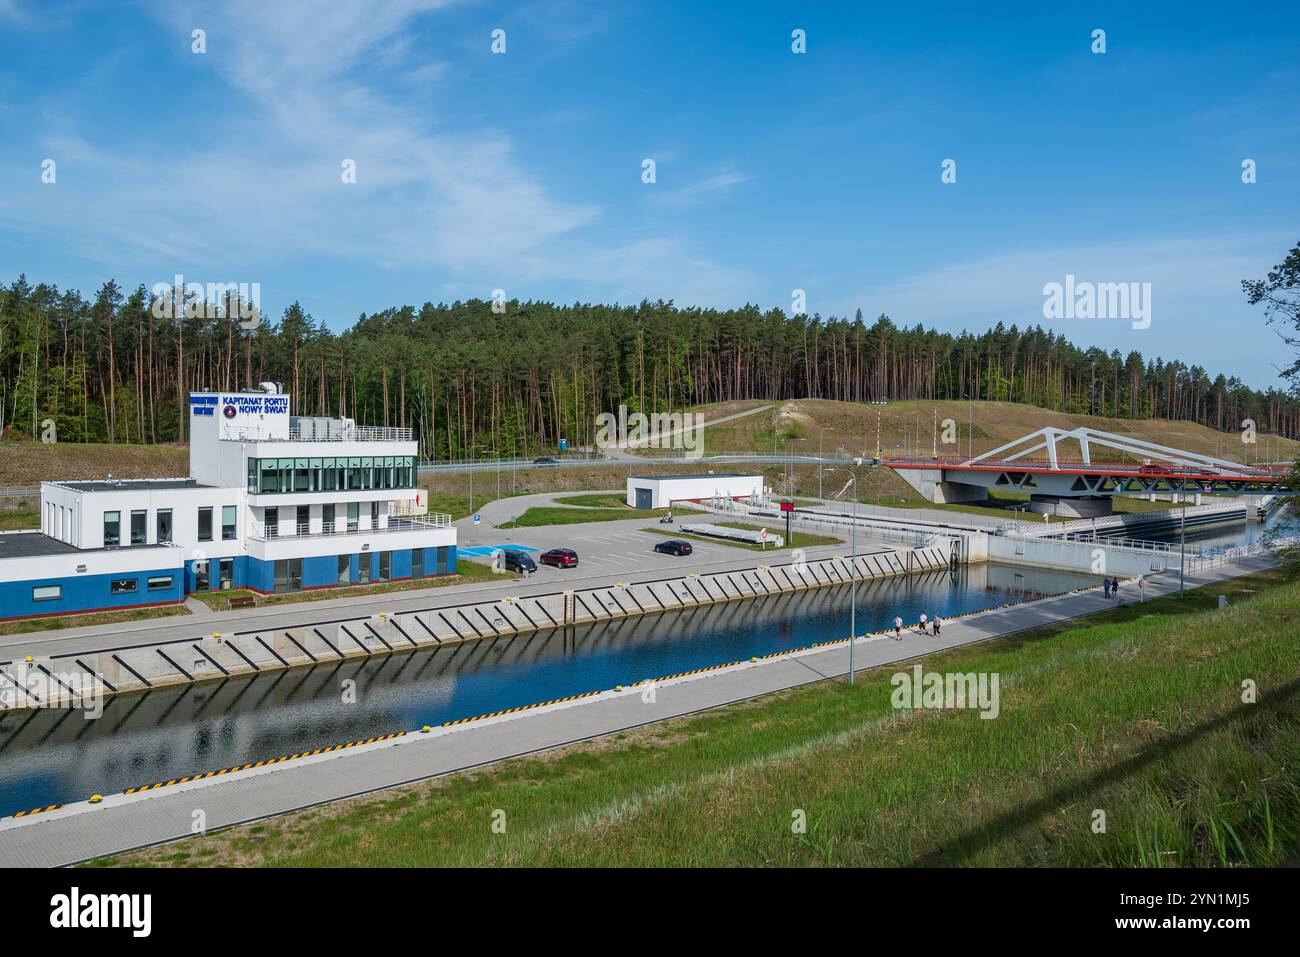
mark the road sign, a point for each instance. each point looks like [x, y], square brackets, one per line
[476, 519]
[787, 506]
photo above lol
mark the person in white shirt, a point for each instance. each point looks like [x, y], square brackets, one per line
[898, 628]
[924, 622]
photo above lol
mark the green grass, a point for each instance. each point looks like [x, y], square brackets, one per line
[19, 519]
[1136, 712]
[595, 500]
[559, 515]
[60, 622]
[801, 539]
[456, 504]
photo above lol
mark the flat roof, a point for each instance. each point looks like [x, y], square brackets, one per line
[128, 485]
[704, 475]
[38, 544]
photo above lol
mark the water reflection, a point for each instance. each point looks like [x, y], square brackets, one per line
[49, 756]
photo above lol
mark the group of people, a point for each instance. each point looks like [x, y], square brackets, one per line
[935, 623]
[1110, 588]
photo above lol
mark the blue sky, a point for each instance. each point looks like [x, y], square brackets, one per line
[775, 171]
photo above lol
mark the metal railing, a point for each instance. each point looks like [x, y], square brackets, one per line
[354, 433]
[260, 531]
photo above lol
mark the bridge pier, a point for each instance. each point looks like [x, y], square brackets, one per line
[1082, 506]
[930, 485]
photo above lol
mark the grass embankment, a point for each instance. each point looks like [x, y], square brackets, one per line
[1137, 712]
[466, 571]
[30, 463]
[60, 622]
[798, 539]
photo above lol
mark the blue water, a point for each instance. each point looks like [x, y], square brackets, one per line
[51, 756]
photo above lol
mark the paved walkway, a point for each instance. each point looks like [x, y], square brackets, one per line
[81, 831]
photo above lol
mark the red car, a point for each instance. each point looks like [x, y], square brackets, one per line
[560, 558]
[1150, 469]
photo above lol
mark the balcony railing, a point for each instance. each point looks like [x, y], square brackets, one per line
[259, 531]
[355, 433]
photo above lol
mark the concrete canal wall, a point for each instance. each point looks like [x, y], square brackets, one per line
[67, 678]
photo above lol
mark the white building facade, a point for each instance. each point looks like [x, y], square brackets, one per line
[273, 503]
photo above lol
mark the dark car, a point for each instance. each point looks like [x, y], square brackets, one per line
[560, 558]
[674, 547]
[517, 562]
[545, 460]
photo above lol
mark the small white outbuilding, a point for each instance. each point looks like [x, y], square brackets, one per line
[661, 491]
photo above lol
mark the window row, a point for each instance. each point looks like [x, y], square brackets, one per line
[139, 519]
[116, 586]
[267, 476]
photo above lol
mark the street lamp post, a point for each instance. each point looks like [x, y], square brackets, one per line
[853, 567]
[1182, 542]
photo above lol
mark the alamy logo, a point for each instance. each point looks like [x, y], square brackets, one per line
[1102, 300]
[946, 691]
[215, 300]
[72, 910]
[660, 430]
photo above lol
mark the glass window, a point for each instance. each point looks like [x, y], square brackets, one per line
[364, 577]
[47, 592]
[163, 525]
[385, 566]
[205, 524]
[270, 476]
[160, 582]
[327, 518]
[139, 522]
[272, 518]
[228, 523]
[122, 586]
[345, 569]
[374, 514]
[112, 529]
[354, 516]
[201, 575]
[303, 520]
[252, 475]
[225, 572]
[417, 562]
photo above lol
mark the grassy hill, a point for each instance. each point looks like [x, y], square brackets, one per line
[30, 463]
[851, 427]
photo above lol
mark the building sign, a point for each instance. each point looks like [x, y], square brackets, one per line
[245, 414]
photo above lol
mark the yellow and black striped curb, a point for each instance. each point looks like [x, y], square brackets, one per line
[522, 707]
[37, 810]
[203, 776]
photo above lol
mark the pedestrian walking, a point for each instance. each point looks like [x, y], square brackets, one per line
[1114, 588]
[1105, 587]
[924, 621]
[898, 628]
[936, 625]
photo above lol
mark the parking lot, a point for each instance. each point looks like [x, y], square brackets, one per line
[615, 547]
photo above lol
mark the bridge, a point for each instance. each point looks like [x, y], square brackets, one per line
[1082, 486]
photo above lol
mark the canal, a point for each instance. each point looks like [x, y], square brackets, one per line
[49, 756]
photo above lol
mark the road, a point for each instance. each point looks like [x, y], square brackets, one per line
[82, 831]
